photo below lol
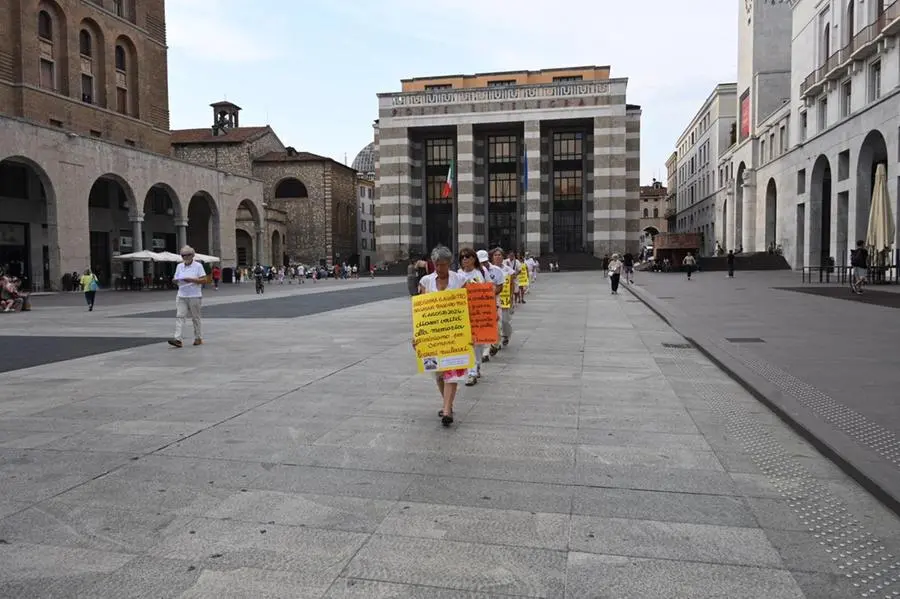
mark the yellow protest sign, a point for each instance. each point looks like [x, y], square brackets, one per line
[442, 331]
[506, 293]
[523, 277]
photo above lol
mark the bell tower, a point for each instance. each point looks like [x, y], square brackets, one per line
[226, 116]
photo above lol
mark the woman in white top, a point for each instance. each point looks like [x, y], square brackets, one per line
[443, 279]
[505, 313]
[472, 271]
[615, 273]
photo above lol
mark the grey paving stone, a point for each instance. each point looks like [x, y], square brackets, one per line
[96, 440]
[257, 583]
[217, 544]
[644, 440]
[592, 576]
[678, 480]
[692, 508]
[477, 525]
[11, 507]
[486, 493]
[354, 588]
[491, 569]
[334, 481]
[29, 562]
[352, 514]
[141, 578]
[672, 540]
[611, 455]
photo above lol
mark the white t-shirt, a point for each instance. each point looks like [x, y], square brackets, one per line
[474, 276]
[456, 281]
[496, 274]
[194, 271]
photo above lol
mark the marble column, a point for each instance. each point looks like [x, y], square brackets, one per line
[137, 242]
[392, 189]
[181, 233]
[532, 189]
[465, 187]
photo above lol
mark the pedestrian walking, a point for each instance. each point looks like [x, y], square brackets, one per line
[730, 260]
[216, 277]
[614, 270]
[859, 260]
[473, 272]
[689, 263]
[628, 267]
[189, 277]
[90, 285]
[443, 279]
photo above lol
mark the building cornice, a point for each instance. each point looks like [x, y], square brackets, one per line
[538, 91]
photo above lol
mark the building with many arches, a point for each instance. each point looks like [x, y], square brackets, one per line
[89, 168]
[818, 111]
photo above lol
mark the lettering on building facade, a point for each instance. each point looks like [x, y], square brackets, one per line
[499, 94]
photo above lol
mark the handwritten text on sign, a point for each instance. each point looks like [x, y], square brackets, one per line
[523, 277]
[483, 313]
[506, 293]
[442, 331]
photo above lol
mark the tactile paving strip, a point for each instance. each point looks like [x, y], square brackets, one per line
[862, 557]
[850, 422]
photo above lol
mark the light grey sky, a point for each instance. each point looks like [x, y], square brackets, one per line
[311, 68]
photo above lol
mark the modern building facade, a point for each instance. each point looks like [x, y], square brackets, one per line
[653, 208]
[809, 185]
[671, 191]
[698, 149]
[543, 161]
[85, 165]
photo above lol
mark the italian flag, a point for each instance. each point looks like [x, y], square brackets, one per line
[448, 184]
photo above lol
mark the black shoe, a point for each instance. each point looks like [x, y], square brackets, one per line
[446, 419]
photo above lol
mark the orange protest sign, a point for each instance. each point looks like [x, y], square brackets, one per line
[483, 313]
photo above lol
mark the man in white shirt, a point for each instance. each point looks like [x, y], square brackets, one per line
[189, 277]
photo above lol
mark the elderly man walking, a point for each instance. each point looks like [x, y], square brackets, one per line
[189, 277]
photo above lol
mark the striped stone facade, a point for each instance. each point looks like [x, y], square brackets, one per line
[610, 133]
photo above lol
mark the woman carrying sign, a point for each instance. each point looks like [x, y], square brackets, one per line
[506, 303]
[442, 279]
[471, 270]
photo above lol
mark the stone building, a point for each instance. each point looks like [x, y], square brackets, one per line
[653, 207]
[310, 199]
[672, 190]
[86, 170]
[364, 165]
[703, 141]
[802, 172]
[544, 161]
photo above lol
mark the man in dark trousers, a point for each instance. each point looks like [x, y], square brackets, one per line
[628, 264]
[730, 260]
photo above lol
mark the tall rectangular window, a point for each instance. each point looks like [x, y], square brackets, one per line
[875, 81]
[48, 75]
[846, 97]
[439, 210]
[803, 126]
[503, 190]
[771, 146]
[782, 143]
[122, 100]
[567, 189]
[87, 89]
[823, 113]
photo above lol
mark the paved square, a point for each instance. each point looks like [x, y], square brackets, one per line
[298, 454]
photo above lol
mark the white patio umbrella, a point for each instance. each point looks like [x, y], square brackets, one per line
[206, 258]
[880, 234]
[142, 256]
[166, 257]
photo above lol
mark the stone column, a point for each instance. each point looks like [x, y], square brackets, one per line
[181, 233]
[392, 192]
[632, 224]
[258, 246]
[610, 214]
[532, 189]
[137, 243]
[748, 220]
[465, 187]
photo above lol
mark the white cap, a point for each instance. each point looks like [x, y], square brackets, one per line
[483, 256]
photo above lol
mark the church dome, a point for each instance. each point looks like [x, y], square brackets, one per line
[365, 160]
